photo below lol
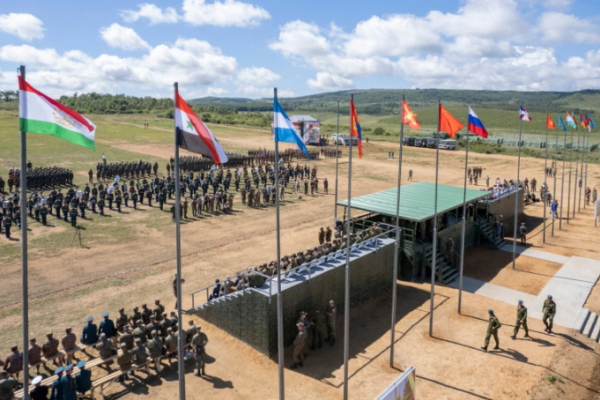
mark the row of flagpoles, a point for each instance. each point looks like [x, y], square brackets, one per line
[40, 114]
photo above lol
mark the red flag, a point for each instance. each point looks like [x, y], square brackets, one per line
[355, 129]
[549, 122]
[448, 123]
[409, 117]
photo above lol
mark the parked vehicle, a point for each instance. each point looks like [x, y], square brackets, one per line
[448, 144]
[431, 143]
[420, 142]
[408, 141]
[343, 140]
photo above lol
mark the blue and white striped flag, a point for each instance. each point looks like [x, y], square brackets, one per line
[284, 129]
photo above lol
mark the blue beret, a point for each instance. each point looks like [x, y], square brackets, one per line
[549, 296]
[105, 314]
[81, 364]
[59, 370]
[520, 301]
[490, 310]
[89, 319]
[69, 367]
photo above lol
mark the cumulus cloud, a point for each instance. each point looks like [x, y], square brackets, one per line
[25, 26]
[123, 38]
[223, 13]
[191, 62]
[302, 39]
[327, 81]
[567, 28]
[257, 76]
[151, 12]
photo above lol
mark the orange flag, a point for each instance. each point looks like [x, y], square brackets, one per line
[409, 117]
[448, 123]
[549, 122]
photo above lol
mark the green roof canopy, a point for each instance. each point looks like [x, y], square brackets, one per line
[416, 200]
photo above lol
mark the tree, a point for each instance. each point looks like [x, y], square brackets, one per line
[378, 131]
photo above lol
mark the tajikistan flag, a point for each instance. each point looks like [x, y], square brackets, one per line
[39, 113]
[195, 135]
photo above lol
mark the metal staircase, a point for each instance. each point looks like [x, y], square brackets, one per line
[489, 234]
[445, 273]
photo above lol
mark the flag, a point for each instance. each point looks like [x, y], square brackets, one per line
[195, 135]
[591, 123]
[571, 121]
[39, 113]
[409, 117]
[475, 125]
[355, 130]
[524, 115]
[561, 124]
[448, 123]
[549, 122]
[583, 121]
[284, 130]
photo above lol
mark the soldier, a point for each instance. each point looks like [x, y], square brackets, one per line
[7, 385]
[89, 336]
[136, 315]
[104, 347]
[83, 378]
[7, 225]
[521, 319]
[199, 342]
[159, 309]
[91, 175]
[319, 327]
[73, 215]
[328, 234]
[146, 313]
[151, 326]
[549, 310]
[101, 206]
[140, 356]
[44, 214]
[82, 207]
[134, 199]
[190, 332]
[185, 208]
[140, 332]
[56, 391]
[299, 347]
[171, 344]
[149, 197]
[68, 383]
[38, 392]
[321, 236]
[331, 313]
[164, 325]
[325, 186]
[50, 348]
[523, 233]
[154, 349]
[175, 288]
[35, 354]
[107, 326]
[127, 338]
[125, 361]
[492, 330]
[410, 174]
[122, 320]
[14, 362]
[118, 201]
[69, 342]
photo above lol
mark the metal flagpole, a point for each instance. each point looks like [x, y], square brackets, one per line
[463, 229]
[570, 173]
[347, 282]
[545, 182]
[337, 130]
[181, 340]
[577, 174]
[586, 139]
[562, 184]
[434, 255]
[554, 169]
[587, 157]
[517, 194]
[397, 246]
[24, 267]
[579, 150]
[279, 297]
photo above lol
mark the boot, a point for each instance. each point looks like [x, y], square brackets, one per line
[497, 347]
[526, 334]
[294, 366]
[484, 348]
[513, 337]
[301, 363]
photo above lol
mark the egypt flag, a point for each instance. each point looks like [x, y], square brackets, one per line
[39, 113]
[195, 136]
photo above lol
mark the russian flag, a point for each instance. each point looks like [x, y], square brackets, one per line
[475, 125]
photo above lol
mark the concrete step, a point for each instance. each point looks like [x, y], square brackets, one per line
[582, 319]
[589, 327]
[595, 335]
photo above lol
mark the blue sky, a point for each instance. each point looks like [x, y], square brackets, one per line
[242, 48]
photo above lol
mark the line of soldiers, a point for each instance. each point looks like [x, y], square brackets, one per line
[320, 326]
[548, 313]
[264, 156]
[10, 213]
[331, 152]
[39, 178]
[136, 169]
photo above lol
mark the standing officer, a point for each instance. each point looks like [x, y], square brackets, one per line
[321, 236]
[549, 311]
[7, 225]
[68, 383]
[492, 330]
[299, 347]
[331, 313]
[319, 326]
[521, 319]
[44, 214]
[199, 342]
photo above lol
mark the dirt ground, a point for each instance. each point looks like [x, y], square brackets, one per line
[71, 283]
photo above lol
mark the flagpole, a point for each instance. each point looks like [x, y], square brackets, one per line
[554, 173]
[570, 174]
[24, 266]
[579, 147]
[337, 131]
[280, 347]
[517, 193]
[347, 280]
[587, 154]
[463, 229]
[397, 246]
[434, 255]
[577, 173]
[180, 341]
[562, 184]
[545, 182]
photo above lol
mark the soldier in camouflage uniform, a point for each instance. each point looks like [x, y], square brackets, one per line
[14, 362]
[35, 354]
[549, 310]
[50, 348]
[521, 319]
[69, 342]
[492, 330]
[299, 343]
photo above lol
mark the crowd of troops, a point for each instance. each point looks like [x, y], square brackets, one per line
[331, 152]
[135, 170]
[264, 156]
[38, 178]
[147, 335]
[206, 163]
[474, 173]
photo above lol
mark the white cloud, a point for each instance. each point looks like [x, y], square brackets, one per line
[257, 76]
[302, 39]
[191, 62]
[123, 38]
[223, 13]
[327, 81]
[153, 13]
[25, 26]
[567, 28]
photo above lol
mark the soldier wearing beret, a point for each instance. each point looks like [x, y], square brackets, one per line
[89, 335]
[298, 356]
[199, 342]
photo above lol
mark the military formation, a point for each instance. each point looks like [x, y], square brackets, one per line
[147, 335]
[135, 170]
[331, 152]
[548, 313]
[264, 156]
[38, 178]
[474, 173]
